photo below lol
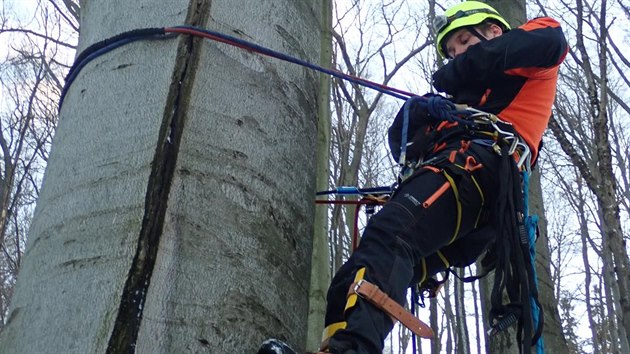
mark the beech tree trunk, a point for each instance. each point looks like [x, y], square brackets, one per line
[176, 210]
[515, 13]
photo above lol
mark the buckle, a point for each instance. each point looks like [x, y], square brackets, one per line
[357, 286]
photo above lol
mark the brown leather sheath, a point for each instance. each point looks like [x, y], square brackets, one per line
[378, 298]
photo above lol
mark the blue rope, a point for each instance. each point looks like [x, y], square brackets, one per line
[110, 44]
[290, 59]
[405, 130]
[82, 62]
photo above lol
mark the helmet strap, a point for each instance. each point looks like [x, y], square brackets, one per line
[476, 33]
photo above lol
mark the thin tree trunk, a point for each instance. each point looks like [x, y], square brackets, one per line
[451, 321]
[435, 326]
[553, 336]
[320, 263]
[614, 314]
[584, 236]
[461, 325]
[478, 317]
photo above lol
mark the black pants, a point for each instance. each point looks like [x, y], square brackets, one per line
[436, 219]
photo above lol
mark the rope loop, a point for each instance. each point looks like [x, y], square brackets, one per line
[441, 108]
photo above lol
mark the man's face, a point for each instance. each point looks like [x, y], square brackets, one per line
[461, 39]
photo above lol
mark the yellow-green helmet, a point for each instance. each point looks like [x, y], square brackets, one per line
[467, 13]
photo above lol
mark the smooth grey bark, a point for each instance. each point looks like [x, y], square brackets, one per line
[176, 210]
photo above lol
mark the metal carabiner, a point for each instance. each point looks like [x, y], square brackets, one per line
[526, 156]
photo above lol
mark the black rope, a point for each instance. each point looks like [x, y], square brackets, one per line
[514, 273]
[104, 46]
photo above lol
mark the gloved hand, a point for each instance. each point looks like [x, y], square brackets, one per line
[418, 120]
[445, 80]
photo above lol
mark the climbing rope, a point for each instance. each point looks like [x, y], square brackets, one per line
[107, 45]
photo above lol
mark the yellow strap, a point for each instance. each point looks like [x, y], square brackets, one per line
[352, 299]
[332, 328]
[443, 258]
[459, 206]
[483, 199]
[424, 270]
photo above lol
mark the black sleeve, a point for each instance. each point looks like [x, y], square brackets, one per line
[539, 43]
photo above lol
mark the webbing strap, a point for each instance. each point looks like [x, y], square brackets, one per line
[514, 271]
[378, 298]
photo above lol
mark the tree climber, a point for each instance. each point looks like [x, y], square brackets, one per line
[445, 211]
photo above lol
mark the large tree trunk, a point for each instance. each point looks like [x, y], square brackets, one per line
[514, 12]
[175, 213]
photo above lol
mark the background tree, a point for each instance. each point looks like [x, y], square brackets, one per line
[589, 126]
[320, 264]
[35, 48]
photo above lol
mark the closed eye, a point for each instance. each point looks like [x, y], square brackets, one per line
[464, 39]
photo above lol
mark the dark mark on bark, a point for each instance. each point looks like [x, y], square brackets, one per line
[122, 66]
[204, 342]
[125, 333]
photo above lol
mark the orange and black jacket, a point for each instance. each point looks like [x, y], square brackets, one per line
[513, 76]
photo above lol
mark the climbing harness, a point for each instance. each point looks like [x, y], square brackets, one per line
[513, 250]
[472, 123]
[512, 254]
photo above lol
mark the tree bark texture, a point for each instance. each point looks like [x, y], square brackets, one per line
[175, 212]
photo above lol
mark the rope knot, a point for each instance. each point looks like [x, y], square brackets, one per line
[441, 108]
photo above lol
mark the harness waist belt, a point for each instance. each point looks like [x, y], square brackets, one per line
[378, 298]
